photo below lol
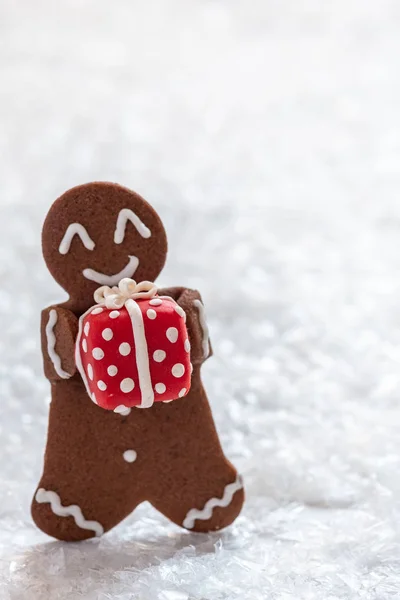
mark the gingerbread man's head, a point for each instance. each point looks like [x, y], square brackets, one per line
[98, 233]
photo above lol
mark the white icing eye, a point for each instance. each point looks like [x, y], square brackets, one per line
[125, 215]
[79, 230]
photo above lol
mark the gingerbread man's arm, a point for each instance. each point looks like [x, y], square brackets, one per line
[59, 328]
[192, 304]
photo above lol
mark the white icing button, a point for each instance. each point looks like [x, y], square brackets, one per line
[172, 334]
[84, 345]
[86, 328]
[112, 370]
[178, 370]
[114, 314]
[130, 456]
[151, 314]
[160, 388]
[101, 385]
[122, 410]
[180, 311]
[187, 345]
[90, 371]
[107, 334]
[124, 349]
[159, 355]
[127, 385]
[155, 302]
[96, 311]
[98, 353]
[182, 392]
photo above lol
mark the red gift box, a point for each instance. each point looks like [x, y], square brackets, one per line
[133, 348]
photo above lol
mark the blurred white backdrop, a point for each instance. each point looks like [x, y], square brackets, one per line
[266, 134]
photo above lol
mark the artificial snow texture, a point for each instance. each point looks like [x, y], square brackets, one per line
[267, 135]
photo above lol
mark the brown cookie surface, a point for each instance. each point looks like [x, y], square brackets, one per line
[99, 465]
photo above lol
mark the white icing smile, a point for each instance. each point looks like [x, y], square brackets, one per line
[112, 280]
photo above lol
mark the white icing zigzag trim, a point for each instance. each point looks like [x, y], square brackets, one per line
[206, 513]
[51, 344]
[43, 496]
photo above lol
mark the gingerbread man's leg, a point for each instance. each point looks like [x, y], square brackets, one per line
[196, 487]
[86, 487]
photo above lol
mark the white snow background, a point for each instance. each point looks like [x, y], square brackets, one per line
[267, 135]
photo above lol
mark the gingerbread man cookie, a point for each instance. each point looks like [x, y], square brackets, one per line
[129, 417]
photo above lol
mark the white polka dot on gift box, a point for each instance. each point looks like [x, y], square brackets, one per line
[97, 353]
[125, 349]
[107, 334]
[172, 334]
[127, 385]
[160, 388]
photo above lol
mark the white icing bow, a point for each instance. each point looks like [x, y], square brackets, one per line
[127, 289]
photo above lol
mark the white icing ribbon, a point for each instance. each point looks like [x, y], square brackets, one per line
[127, 289]
[142, 353]
[46, 496]
[206, 513]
